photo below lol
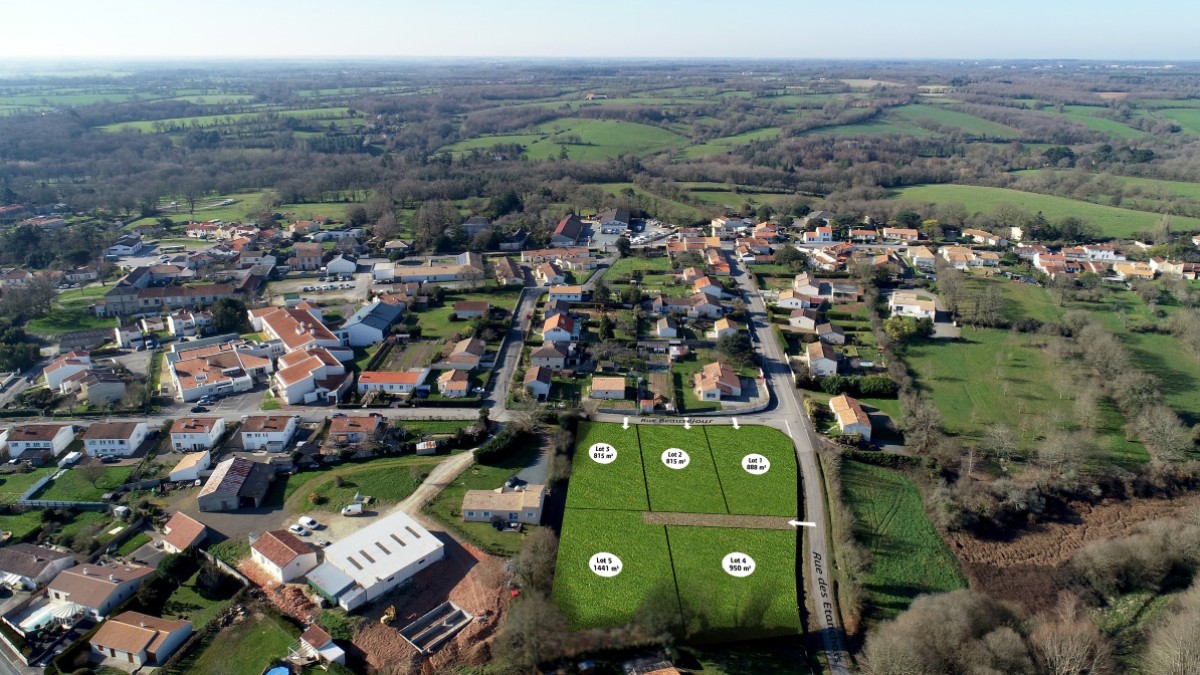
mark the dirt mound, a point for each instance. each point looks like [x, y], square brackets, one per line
[288, 598]
[1029, 569]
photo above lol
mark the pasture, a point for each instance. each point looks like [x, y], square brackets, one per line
[1112, 221]
[679, 564]
[969, 124]
[907, 557]
[582, 139]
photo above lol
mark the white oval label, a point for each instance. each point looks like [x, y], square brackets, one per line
[603, 453]
[756, 464]
[605, 565]
[675, 458]
[738, 564]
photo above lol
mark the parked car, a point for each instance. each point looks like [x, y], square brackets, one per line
[199, 409]
[309, 522]
[298, 530]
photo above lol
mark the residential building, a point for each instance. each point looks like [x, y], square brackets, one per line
[507, 504]
[830, 334]
[188, 469]
[391, 382]
[704, 305]
[715, 381]
[282, 555]
[567, 293]
[316, 644]
[38, 443]
[821, 359]
[804, 319]
[550, 355]
[140, 639]
[1133, 270]
[514, 241]
[29, 567]
[97, 388]
[507, 272]
[806, 284]
[306, 257]
[665, 328]
[703, 284]
[608, 388]
[298, 329]
[189, 434]
[542, 255]
[129, 244]
[548, 274]
[183, 532]
[454, 383]
[268, 432]
[901, 234]
[568, 232]
[851, 418]
[921, 257]
[120, 439]
[792, 299]
[821, 235]
[553, 307]
[343, 265]
[560, 328]
[863, 235]
[97, 588]
[727, 226]
[465, 355]
[370, 324]
[217, 369]
[985, 238]
[467, 267]
[538, 381]
[613, 221]
[723, 327]
[311, 376]
[64, 366]
[186, 323]
[351, 430]
[912, 303]
[471, 309]
[236, 483]
[372, 561]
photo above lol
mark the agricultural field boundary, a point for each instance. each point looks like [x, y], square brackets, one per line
[715, 520]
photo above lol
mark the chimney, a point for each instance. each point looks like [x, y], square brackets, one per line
[85, 571]
[112, 578]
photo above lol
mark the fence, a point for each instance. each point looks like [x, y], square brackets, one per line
[225, 567]
[25, 502]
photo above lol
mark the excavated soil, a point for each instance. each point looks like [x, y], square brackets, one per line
[716, 520]
[1029, 569]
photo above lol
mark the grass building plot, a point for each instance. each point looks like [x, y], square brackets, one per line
[673, 528]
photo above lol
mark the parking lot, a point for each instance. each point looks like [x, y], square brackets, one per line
[355, 290]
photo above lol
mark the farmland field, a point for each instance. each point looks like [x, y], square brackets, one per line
[583, 139]
[908, 558]
[680, 563]
[1112, 221]
[972, 125]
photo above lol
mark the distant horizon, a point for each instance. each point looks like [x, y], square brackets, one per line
[939, 30]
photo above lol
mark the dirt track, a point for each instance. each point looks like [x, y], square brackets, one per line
[1029, 569]
[716, 520]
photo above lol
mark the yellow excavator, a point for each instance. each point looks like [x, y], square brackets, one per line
[388, 616]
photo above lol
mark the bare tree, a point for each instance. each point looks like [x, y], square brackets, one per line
[1067, 642]
[1174, 646]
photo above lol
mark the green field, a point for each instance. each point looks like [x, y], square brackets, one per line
[972, 125]
[1112, 221]
[907, 557]
[720, 146]
[73, 486]
[388, 480]
[13, 485]
[1150, 188]
[1187, 118]
[182, 123]
[244, 648]
[189, 602]
[664, 563]
[435, 322]
[693, 489]
[583, 139]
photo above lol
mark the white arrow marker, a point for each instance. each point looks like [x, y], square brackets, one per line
[735, 424]
[626, 424]
[686, 423]
[801, 523]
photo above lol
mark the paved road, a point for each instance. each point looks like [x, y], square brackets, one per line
[789, 410]
[508, 359]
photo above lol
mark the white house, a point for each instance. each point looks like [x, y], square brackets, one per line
[549, 355]
[64, 366]
[548, 274]
[608, 387]
[370, 324]
[568, 293]
[560, 328]
[188, 469]
[31, 566]
[311, 376]
[821, 235]
[804, 319]
[665, 328]
[184, 323]
[196, 433]
[282, 555]
[391, 382]
[538, 381]
[343, 265]
[821, 359]
[371, 561]
[921, 257]
[721, 328]
[129, 244]
[791, 299]
[513, 505]
[851, 418]
[912, 303]
[95, 588]
[140, 639]
[114, 438]
[454, 383]
[715, 381]
[268, 432]
[182, 532]
[37, 442]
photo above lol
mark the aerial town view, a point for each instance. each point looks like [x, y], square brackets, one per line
[505, 339]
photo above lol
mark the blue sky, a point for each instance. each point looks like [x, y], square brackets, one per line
[1088, 29]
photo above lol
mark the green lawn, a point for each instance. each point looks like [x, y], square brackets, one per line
[759, 605]
[1186, 118]
[972, 125]
[590, 600]
[435, 322]
[1112, 221]
[21, 524]
[388, 480]
[244, 648]
[68, 319]
[13, 485]
[628, 265]
[618, 485]
[684, 373]
[773, 493]
[434, 427]
[447, 506]
[133, 543]
[188, 602]
[693, 489]
[583, 139]
[73, 485]
[907, 557]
